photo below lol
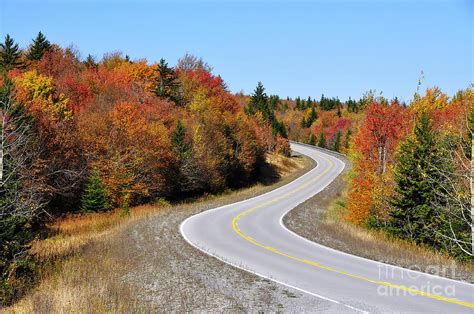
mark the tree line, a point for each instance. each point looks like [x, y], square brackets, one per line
[94, 135]
[413, 171]
[411, 162]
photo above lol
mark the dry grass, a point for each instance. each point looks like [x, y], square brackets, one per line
[76, 231]
[73, 232]
[88, 257]
[321, 219]
[283, 165]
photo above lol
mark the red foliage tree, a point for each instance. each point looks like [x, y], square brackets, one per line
[380, 133]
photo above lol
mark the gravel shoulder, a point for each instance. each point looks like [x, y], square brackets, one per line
[310, 220]
[150, 267]
[146, 265]
[165, 273]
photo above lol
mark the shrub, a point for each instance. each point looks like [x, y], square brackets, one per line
[95, 196]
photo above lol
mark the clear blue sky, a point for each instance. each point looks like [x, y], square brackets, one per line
[339, 48]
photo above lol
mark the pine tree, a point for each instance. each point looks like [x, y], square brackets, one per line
[347, 139]
[278, 128]
[322, 140]
[95, 197]
[178, 139]
[313, 115]
[90, 62]
[309, 102]
[312, 139]
[336, 145]
[282, 130]
[351, 105]
[259, 101]
[322, 102]
[39, 46]
[303, 122]
[168, 84]
[10, 54]
[411, 213]
[298, 103]
[307, 122]
[273, 102]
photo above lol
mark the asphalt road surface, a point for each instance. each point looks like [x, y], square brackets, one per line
[250, 235]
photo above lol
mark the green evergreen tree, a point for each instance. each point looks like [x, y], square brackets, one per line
[336, 145]
[348, 138]
[10, 54]
[411, 212]
[273, 102]
[312, 139]
[168, 85]
[304, 123]
[452, 198]
[351, 105]
[178, 139]
[39, 46]
[282, 130]
[20, 201]
[327, 104]
[95, 197]
[309, 102]
[313, 115]
[298, 103]
[259, 102]
[279, 128]
[322, 140]
[90, 62]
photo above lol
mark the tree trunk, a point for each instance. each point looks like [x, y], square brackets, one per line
[472, 196]
[2, 128]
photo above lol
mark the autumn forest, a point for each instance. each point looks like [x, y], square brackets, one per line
[81, 135]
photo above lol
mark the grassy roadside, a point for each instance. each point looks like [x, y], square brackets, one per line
[84, 265]
[71, 233]
[321, 219]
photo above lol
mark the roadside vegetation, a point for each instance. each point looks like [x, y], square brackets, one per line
[111, 262]
[80, 135]
[411, 177]
[376, 244]
[87, 144]
[322, 219]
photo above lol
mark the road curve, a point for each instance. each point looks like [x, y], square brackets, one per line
[250, 235]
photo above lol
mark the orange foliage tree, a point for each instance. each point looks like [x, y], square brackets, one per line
[373, 155]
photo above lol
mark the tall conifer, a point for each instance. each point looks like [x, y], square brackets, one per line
[39, 46]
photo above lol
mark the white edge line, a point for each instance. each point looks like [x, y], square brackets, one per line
[261, 275]
[356, 256]
[181, 228]
[305, 239]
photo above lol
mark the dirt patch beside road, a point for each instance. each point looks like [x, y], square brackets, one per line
[319, 220]
[146, 265]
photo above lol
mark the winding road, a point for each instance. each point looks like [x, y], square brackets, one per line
[250, 235]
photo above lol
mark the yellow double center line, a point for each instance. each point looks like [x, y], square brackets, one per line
[235, 226]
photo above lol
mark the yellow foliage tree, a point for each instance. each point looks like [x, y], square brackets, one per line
[38, 94]
[434, 99]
